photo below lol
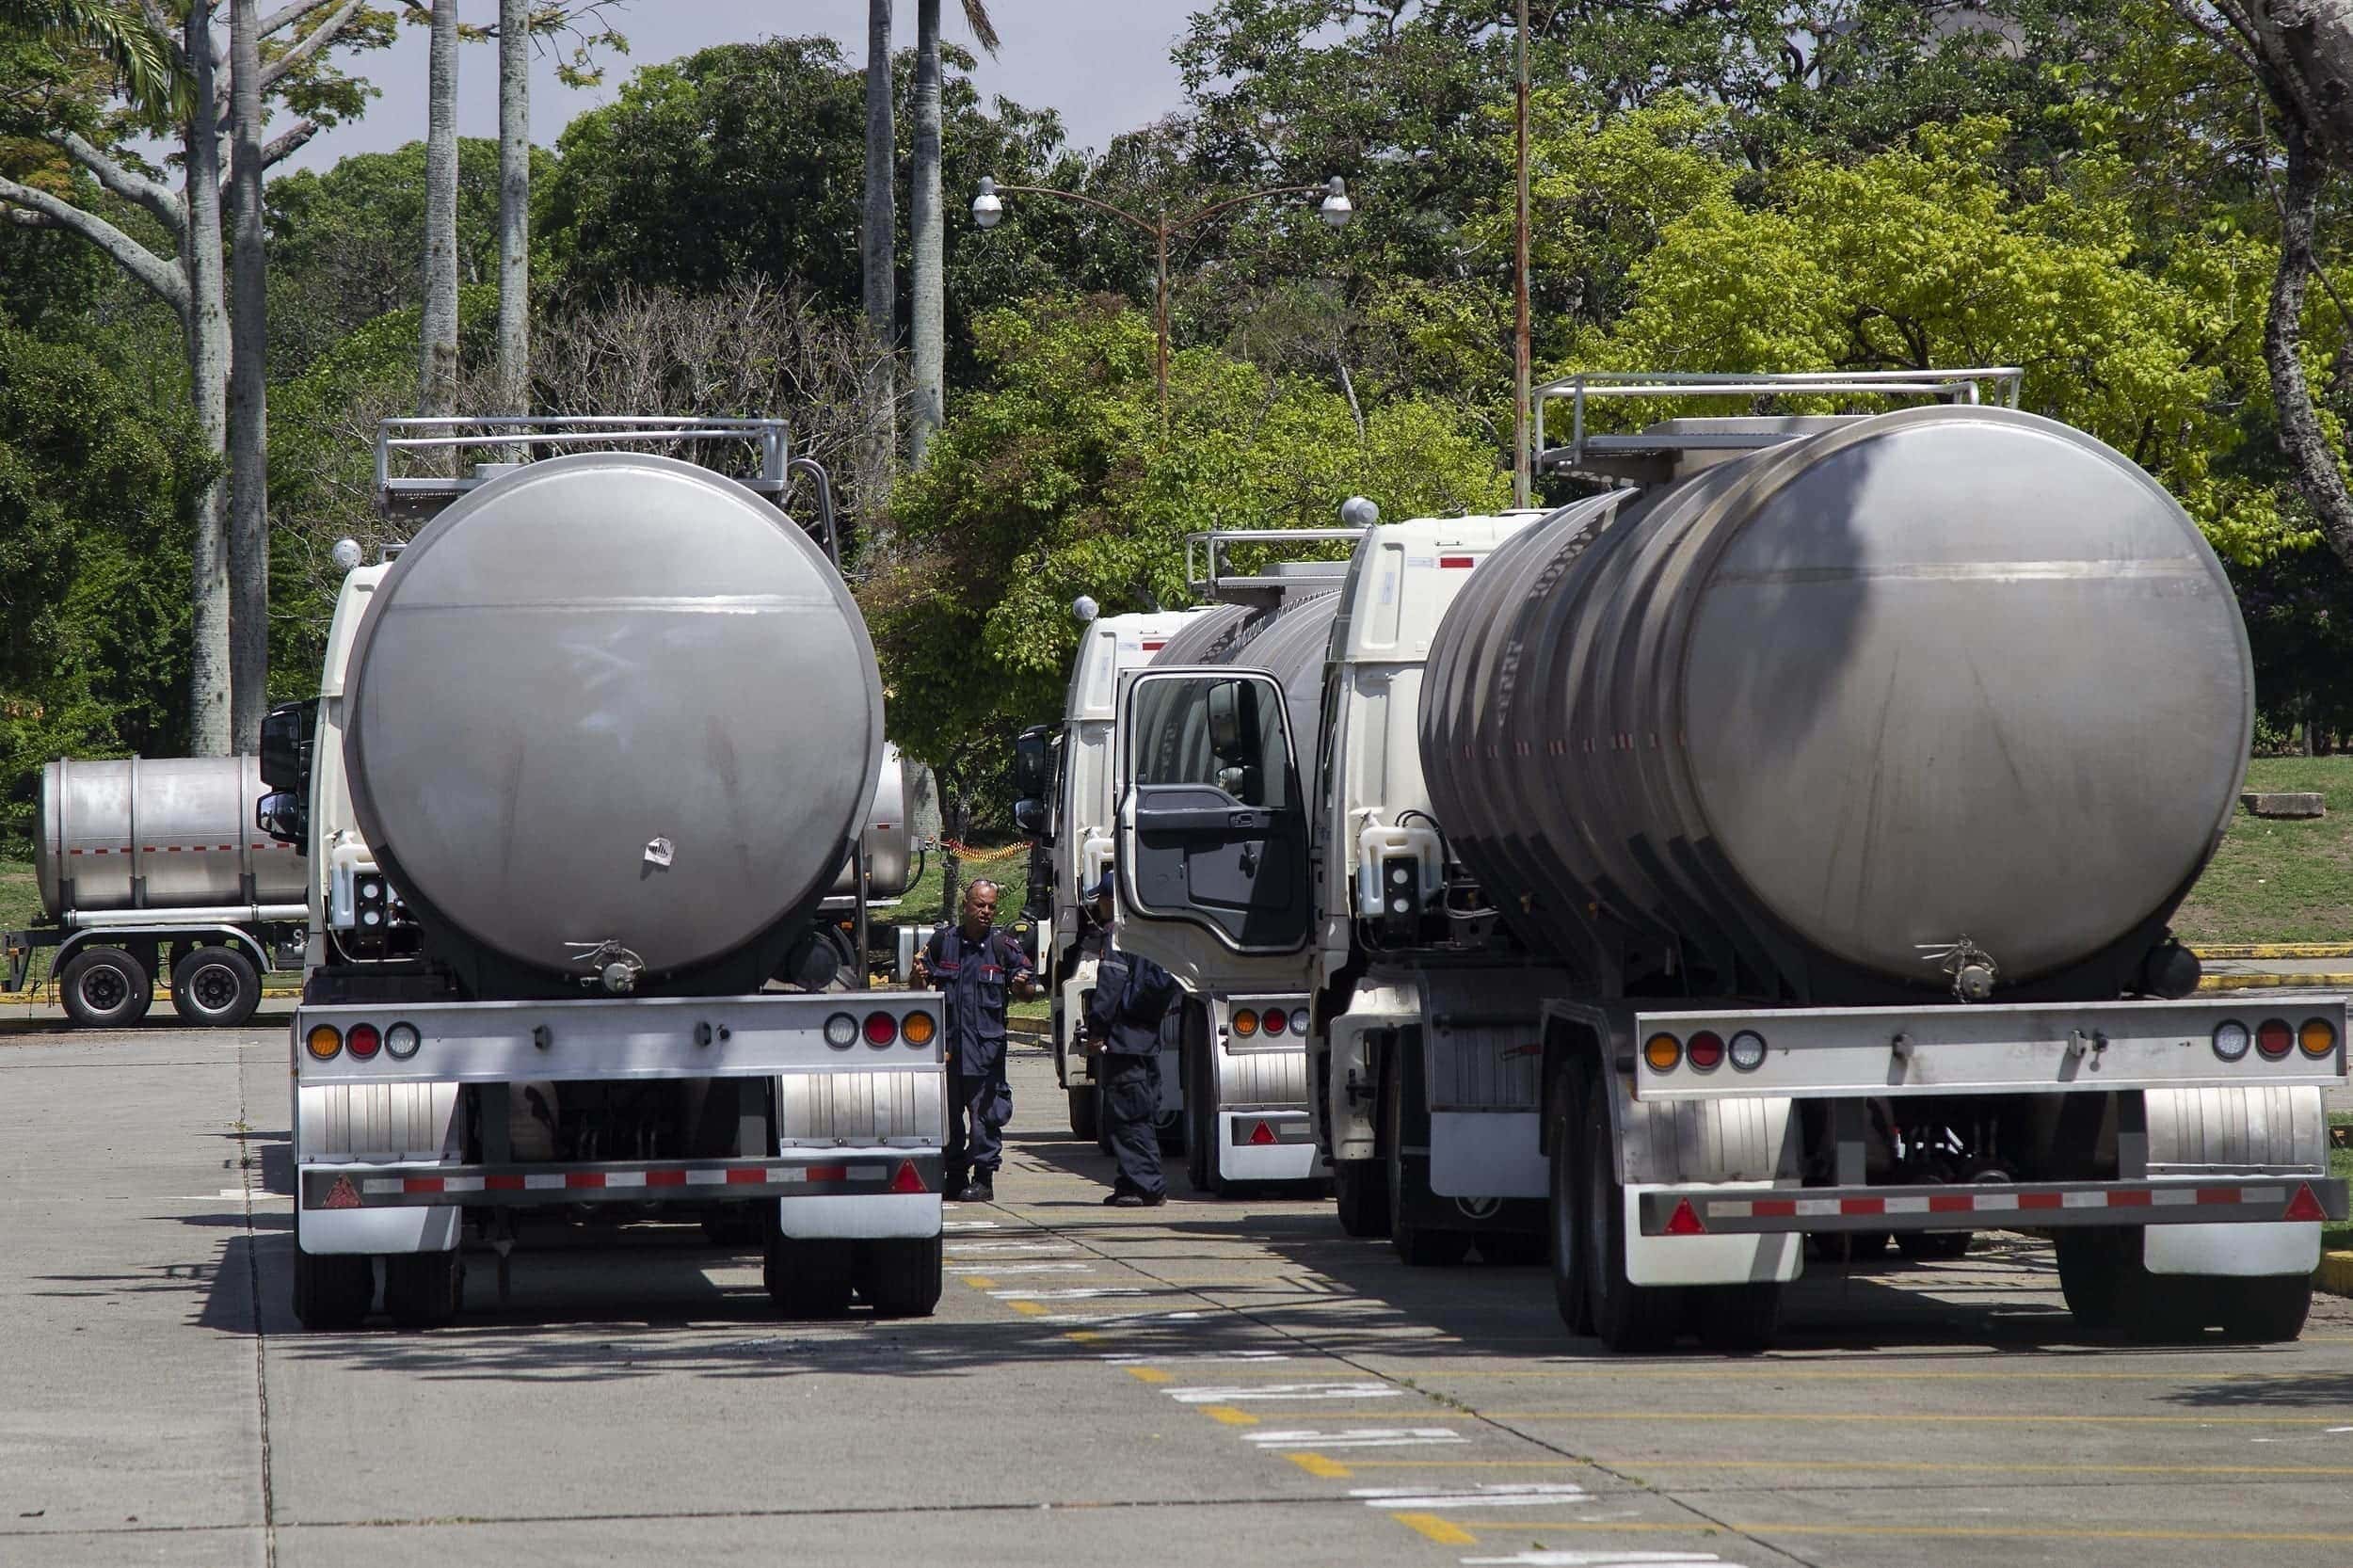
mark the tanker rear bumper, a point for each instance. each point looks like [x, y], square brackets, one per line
[2201, 1200]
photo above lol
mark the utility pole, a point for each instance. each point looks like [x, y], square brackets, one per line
[1523, 439]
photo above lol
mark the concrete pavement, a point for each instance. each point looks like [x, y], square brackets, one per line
[1228, 1381]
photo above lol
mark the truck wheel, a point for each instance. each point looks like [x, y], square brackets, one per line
[1566, 1208]
[1361, 1190]
[2111, 1292]
[105, 988]
[1085, 1111]
[215, 987]
[901, 1278]
[1201, 1148]
[332, 1290]
[1626, 1317]
[1934, 1246]
[2266, 1310]
[423, 1289]
[1419, 1246]
[1738, 1320]
[807, 1279]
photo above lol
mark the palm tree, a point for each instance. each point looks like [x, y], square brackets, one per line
[876, 244]
[437, 370]
[117, 30]
[927, 231]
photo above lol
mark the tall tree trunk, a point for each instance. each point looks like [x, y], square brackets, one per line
[929, 237]
[248, 393]
[2311, 456]
[437, 368]
[515, 206]
[206, 329]
[877, 247]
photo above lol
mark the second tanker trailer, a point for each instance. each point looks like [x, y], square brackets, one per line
[1780, 843]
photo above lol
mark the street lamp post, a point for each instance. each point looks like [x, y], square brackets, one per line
[988, 209]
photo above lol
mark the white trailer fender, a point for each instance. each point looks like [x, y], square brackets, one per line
[370, 1124]
[1377, 1005]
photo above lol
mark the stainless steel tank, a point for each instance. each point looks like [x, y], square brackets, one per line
[157, 833]
[1945, 679]
[613, 704]
[890, 837]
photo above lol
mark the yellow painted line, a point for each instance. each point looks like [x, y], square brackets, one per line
[1150, 1374]
[1225, 1415]
[1908, 1417]
[979, 1282]
[1028, 1309]
[2276, 983]
[1435, 1529]
[1990, 1532]
[1083, 1335]
[2276, 949]
[1315, 1465]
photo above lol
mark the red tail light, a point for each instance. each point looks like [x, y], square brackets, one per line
[1705, 1051]
[363, 1041]
[881, 1029]
[2274, 1038]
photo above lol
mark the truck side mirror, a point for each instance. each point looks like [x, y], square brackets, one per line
[287, 730]
[286, 817]
[1030, 816]
[1029, 762]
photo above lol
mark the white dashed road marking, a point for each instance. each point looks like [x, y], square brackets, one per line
[1356, 1437]
[1502, 1495]
[1287, 1391]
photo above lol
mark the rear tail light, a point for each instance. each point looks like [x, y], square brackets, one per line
[1274, 1023]
[2274, 1038]
[1662, 1051]
[2317, 1038]
[842, 1031]
[363, 1041]
[1706, 1052]
[918, 1027]
[2231, 1040]
[1299, 1021]
[323, 1041]
[401, 1042]
[1246, 1022]
[1747, 1050]
[881, 1030]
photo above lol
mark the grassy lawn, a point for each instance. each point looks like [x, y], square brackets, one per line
[2281, 881]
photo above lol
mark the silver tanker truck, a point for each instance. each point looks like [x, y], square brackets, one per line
[150, 868]
[588, 755]
[1779, 842]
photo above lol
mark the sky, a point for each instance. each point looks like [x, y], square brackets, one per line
[1103, 63]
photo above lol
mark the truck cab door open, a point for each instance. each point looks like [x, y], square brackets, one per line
[1212, 827]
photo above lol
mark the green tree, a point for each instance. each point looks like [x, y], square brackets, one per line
[95, 504]
[1055, 482]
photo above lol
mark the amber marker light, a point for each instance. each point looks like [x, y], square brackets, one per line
[2317, 1038]
[1662, 1052]
[916, 1029]
[323, 1041]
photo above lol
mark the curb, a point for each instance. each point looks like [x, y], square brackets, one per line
[2276, 949]
[2276, 982]
[2336, 1274]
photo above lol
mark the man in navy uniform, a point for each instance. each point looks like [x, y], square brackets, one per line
[979, 970]
[1124, 1012]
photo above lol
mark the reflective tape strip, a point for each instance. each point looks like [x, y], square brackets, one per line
[2011, 1202]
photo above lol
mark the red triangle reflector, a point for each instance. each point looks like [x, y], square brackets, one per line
[2305, 1204]
[343, 1195]
[909, 1180]
[1262, 1134]
[1685, 1221]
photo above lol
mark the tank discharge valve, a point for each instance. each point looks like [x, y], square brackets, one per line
[1973, 968]
[612, 965]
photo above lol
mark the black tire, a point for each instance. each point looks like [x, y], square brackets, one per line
[1934, 1246]
[2111, 1292]
[423, 1289]
[901, 1277]
[1737, 1320]
[333, 1291]
[808, 1279]
[1201, 1140]
[2264, 1311]
[1360, 1188]
[1565, 1209]
[737, 1226]
[1627, 1318]
[1419, 1246]
[215, 987]
[105, 988]
[1085, 1111]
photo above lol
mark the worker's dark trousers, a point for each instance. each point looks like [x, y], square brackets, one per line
[1131, 1099]
[979, 1105]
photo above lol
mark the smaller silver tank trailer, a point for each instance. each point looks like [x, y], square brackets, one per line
[151, 868]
